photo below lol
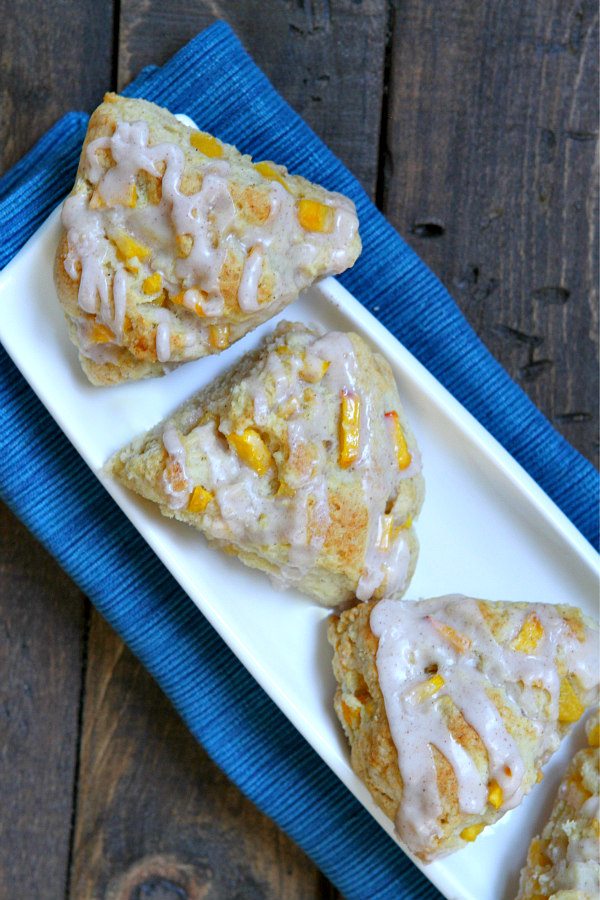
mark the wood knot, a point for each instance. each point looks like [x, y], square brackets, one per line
[429, 227]
[161, 877]
[158, 888]
[552, 294]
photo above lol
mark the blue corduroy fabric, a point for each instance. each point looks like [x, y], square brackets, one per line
[214, 81]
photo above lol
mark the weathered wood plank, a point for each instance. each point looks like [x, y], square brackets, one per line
[325, 57]
[490, 175]
[154, 813]
[41, 625]
[54, 56]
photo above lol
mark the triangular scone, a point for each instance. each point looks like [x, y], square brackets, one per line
[174, 245]
[299, 461]
[564, 863]
[451, 705]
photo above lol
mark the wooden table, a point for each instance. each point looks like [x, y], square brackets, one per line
[473, 125]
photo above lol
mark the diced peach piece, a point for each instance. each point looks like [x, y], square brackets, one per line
[200, 499]
[101, 334]
[270, 172]
[175, 475]
[184, 244]
[351, 714]
[472, 832]
[284, 490]
[152, 284]
[349, 428]
[206, 144]
[384, 532]
[315, 216]
[289, 407]
[218, 336]
[128, 247]
[594, 736]
[314, 369]
[495, 794]
[536, 856]
[252, 450]
[130, 198]
[531, 633]
[570, 707]
[455, 638]
[430, 687]
[191, 298]
[400, 446]
[97, 200]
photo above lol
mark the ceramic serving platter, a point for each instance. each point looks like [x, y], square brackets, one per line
[486, 529]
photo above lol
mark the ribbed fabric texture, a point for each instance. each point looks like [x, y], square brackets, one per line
[214, 81]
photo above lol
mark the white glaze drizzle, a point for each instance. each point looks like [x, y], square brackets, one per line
[177, 471]
[411, 647]
[379, 467]
[119, 304]
[163, 342]
[87, 247]
[389, 565]
[208, 217]
[248, 289]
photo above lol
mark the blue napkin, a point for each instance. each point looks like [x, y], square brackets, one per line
[213, 80]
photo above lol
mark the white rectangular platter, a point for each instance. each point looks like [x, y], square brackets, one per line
[486, 529]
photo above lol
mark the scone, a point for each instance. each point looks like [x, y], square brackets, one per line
[174, 245]
[299, 461]
[564, 863]
[451, 705]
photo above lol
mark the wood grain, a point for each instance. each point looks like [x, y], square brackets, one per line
[491, 175]
[41, 625]
[325, 57]
[154, 813]
[55, 56]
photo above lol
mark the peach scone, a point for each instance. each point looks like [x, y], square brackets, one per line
[175, 245]
[452, 705]
[299, 461]
[564, 862]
